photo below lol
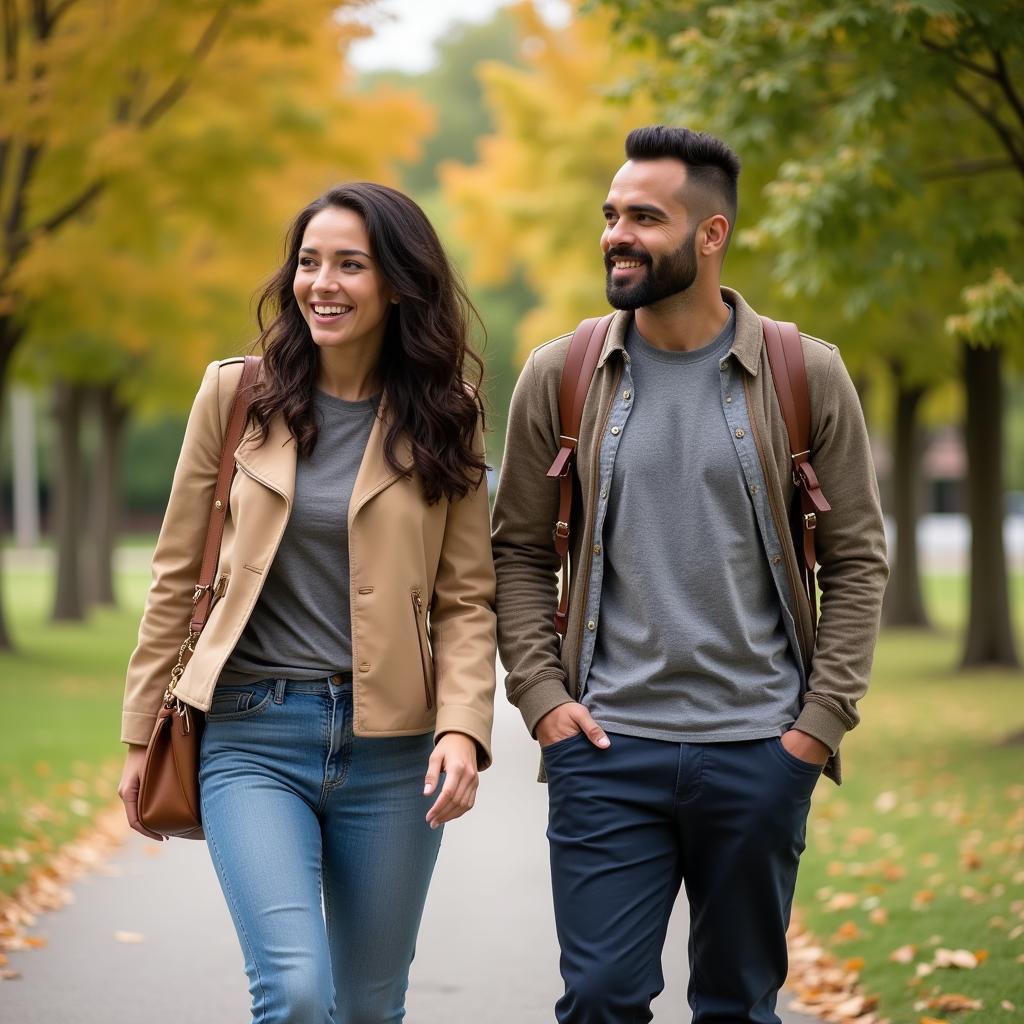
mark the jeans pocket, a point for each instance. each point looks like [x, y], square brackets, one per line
[808, 767]
[233, 703]
[560, 745]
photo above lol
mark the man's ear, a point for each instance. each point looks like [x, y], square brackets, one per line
[713, 234]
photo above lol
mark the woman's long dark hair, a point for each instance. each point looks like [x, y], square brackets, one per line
[425, 347]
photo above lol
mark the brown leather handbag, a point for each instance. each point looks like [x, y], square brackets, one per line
[789, 375]
[169, 785]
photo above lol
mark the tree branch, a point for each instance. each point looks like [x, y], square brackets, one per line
[1006, 84]
[10, 27]
[29, 156]
[59, 11]
[81, 202]
[967, 167]
[40, 19]
[990, 117]
[958, 58]
[180, 85]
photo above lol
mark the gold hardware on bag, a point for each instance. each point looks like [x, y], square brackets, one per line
[810, 520]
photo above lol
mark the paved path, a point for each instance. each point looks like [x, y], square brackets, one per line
[487, 949]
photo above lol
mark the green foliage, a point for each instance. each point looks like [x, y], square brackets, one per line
[452, 88]
[854, 106]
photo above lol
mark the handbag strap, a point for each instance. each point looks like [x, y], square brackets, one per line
[789, 375]
[203, 597]
[581, 360]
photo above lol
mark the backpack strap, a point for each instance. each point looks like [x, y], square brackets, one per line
[789, 375]
[577, 372]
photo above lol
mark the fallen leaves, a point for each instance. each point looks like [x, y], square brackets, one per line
[949, 1002]
[48, 885]
[903, 955]
[823, 987]
[962, 958]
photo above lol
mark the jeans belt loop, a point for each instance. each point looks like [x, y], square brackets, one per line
[279, 686]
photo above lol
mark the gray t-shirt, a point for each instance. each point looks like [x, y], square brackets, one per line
[690, 645]
[301, 625]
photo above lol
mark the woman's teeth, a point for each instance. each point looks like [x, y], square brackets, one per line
[330, 310]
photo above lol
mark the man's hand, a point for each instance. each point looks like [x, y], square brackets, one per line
[566, 720]
[455, 755]
[805, 748]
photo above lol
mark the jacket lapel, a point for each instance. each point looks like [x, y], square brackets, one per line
[272, 463]
[374, 473]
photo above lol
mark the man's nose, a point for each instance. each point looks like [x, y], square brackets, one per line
[618, 234]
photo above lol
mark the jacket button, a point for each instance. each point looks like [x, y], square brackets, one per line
[776, 559]
[627, 395]
[728, 399]
[604, 492]
[740, 432]
[364, 667]
[591, 625]
[754, 488]
[615, 431]
[597, 549]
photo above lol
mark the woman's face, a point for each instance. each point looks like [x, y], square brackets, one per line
[338, 286]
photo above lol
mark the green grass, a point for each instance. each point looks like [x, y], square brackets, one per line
[928, 826]
[60, 696]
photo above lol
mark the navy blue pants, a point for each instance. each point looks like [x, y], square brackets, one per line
[627, 825]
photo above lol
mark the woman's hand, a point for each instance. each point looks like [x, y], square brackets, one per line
[128, 789]
[455, 755]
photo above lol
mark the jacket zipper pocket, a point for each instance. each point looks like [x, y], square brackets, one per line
[426, 662]
[220, 588]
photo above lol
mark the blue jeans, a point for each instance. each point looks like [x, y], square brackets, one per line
[295, 808]
[627, 825]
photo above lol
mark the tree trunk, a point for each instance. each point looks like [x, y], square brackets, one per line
[104, 501]
[989, 638]
[69, 604]
[10, 334]
[904, 605]
[25, 468]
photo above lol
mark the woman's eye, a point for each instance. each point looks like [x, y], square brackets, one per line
[351, 265]
[306, 261]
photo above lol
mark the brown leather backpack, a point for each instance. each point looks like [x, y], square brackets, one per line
[789, 375]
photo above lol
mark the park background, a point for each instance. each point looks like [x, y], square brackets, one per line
[151, 155]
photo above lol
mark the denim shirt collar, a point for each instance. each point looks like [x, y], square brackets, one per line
[746, 345]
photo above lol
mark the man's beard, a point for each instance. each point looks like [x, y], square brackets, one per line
[670, 275]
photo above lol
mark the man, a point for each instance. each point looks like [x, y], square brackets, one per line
[687, 714]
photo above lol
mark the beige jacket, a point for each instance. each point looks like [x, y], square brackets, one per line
[851, 550]
[421, 582]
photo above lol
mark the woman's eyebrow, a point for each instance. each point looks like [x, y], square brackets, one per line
[337, 252]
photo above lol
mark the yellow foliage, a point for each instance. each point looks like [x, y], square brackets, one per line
[533, 200]
[205, 133]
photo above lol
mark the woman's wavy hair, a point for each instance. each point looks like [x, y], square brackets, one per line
[425, 346]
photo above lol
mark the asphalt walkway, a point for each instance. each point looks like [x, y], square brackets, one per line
[487, 952]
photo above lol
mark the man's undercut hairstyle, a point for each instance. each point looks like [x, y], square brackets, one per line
[712, 168]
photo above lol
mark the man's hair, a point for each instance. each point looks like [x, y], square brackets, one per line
[713, 169]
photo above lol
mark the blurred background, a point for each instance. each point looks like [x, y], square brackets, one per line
[152, 154]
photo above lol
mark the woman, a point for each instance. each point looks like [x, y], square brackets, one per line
[350, 648]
